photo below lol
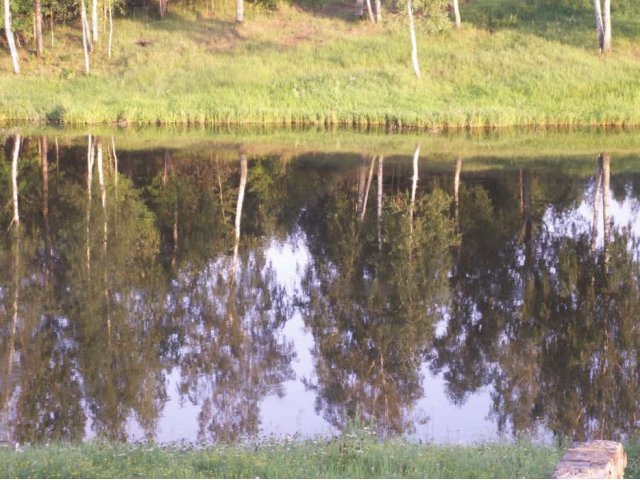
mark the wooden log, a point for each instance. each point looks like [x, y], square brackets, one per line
[594, 459]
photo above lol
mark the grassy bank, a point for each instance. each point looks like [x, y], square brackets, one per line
[513, 63]
[348, 457]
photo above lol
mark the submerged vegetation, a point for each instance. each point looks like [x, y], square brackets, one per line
[514, 62]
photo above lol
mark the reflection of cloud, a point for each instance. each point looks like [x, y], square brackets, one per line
[580, 219]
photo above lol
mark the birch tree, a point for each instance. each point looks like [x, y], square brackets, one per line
[94, 19]
[239, 11]
[379, 209]
[370, 11]
[603, 24]
[86, 42]
[11, 41]
[37, 9]
[162, 7]
[456, 13]
[110, 12]
[414, 43]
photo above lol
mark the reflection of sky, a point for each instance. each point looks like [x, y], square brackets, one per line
[437, 418]
[295, 414]
[580, 220]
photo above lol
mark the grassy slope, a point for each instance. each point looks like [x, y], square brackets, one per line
[340, 458]
[510, 64]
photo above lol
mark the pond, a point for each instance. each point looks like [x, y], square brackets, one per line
[210, 288]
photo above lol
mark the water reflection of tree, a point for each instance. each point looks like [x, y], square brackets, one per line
[552, 326]
[372, 306]
[86, 336]
[230, 312]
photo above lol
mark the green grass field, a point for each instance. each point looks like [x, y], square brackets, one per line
[512, 63]
[347, 457]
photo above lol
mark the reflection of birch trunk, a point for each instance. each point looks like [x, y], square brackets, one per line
[597, 185]
[115, 168]
[414, 185]
[520, 183]
[175, 234]
[362, 185]
[527, 223]
[165, 169]
[241, 188]
[44, 169]
[379, 212]
[14, 325]
[14, 180]
[222, 207]
[366, 193]
[605, 160]
[103, 194]
[103, 202]
[115, 187]
[456, 191]
[88, 210]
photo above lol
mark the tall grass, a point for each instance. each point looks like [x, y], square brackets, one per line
[350, 456]
[293, 67]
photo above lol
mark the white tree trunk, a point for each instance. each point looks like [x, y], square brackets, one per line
[370, 11]
[89, 195]
[456, 13]
[606, 18]
[103, 193]
[414, 43]
[110, 29]
[115, 166]
[14, 181]
[456, 191]
[366, 193]
[599, 23]
[239, 11]
[379, 212]
[44, 170]
[414, 185]
[85, 37]
[378, 11]
[11, 41]
[606, 201]
[94, 19]
[241, 189]
[37, 24]
[53, 37]
[359, 8]
[597, 185]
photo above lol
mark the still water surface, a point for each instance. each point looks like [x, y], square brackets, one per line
[210, 295]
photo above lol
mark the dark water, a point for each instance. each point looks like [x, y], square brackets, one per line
[208, 295]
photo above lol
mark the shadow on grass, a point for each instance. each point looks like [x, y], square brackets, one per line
[551, 20]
